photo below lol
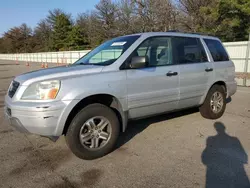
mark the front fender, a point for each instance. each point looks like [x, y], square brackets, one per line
[64, 116]
[76, 89]
[116, 104]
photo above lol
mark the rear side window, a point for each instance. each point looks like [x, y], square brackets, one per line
[188, 50]
[217, 50]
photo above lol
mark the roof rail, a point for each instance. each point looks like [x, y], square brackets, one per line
[178, 31]
[204, 34]
[175, 30]
[196, 33]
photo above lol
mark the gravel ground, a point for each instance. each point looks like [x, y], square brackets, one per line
[174, 150]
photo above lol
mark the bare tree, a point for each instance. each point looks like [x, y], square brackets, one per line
[19, 38]
[127, 17]
[42, 35]
[91, 27]
[157, 15]
[106, 13]
[190, 15]
[83, 21]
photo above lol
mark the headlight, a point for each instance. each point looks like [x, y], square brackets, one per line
[42, 90]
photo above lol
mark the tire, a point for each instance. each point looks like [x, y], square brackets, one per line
[206, 109]
[83, 120]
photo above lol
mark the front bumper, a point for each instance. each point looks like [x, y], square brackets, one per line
[45, 119]
[14, 122]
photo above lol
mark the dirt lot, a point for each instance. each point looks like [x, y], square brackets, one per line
[175, 150]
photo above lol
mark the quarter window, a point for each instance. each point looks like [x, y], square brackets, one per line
[217, 50]
[188, 50]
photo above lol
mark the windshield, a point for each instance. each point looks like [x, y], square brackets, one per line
[108, 52]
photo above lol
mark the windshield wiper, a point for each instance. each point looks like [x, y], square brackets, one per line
[85, 64]
[96, 64]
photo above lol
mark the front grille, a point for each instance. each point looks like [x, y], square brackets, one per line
[12, 90]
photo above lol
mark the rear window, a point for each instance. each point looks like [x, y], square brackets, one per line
[217, 50]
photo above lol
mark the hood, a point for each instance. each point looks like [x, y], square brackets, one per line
[57, 73]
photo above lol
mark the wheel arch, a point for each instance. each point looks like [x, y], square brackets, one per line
[219, 82]
[105, 99]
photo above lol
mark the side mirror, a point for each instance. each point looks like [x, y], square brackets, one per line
[138, 62]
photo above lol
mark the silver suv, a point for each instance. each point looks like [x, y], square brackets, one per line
[129, 77]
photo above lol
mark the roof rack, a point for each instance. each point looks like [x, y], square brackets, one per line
[174, 31]
[195, 33]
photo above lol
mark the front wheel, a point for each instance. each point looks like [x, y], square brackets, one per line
[215, 103]
[93, 132]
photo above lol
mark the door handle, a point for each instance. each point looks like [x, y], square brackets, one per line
[209, 69]
[170, 73]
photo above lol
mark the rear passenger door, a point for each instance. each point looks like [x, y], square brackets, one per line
[196, 72]
[223, 68]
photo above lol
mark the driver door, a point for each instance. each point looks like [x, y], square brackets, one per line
[155, 88]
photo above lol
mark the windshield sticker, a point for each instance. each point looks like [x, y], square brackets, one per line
[118, 43]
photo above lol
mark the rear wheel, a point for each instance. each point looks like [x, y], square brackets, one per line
[93, 132]
[215, 103]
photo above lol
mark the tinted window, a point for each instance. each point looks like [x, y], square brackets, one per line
[217, 50]
[157, 51]
[188, 50]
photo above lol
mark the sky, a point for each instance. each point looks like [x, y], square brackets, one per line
[15, 12]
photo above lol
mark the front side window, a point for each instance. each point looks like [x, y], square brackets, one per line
[217, 50]
[188, 50]
[108, 52]
[157, 51]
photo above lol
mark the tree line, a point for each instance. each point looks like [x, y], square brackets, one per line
[226, 19]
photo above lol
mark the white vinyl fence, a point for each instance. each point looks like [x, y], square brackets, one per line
[67, 57]
[239, 52]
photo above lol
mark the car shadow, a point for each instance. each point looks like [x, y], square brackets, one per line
[224, 158]
[137, 126]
